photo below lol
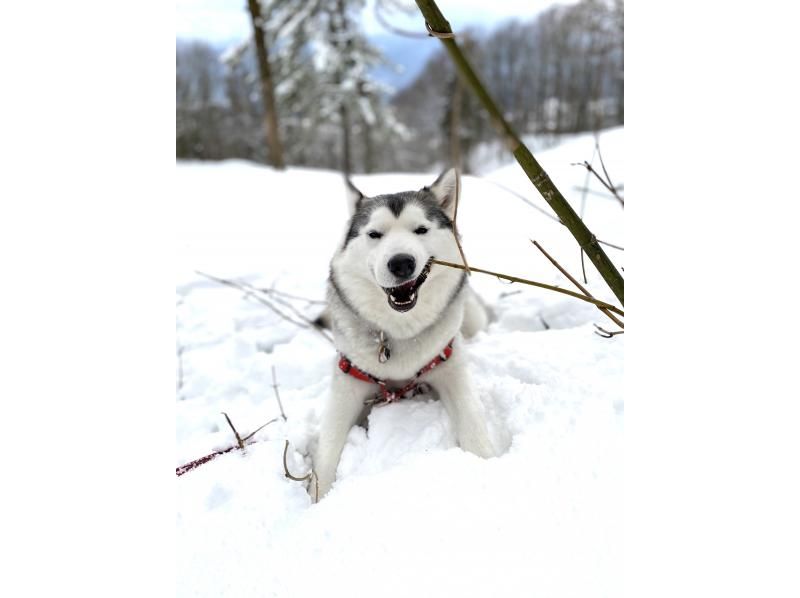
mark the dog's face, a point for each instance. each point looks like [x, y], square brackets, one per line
[384, 267]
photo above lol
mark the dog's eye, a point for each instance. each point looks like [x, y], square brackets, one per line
[373, 234]
[420, 230]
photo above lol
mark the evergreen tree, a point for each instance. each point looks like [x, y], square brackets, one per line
[351, 100]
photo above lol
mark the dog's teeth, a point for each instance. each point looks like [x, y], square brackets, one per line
[413, 296]
[392, 297]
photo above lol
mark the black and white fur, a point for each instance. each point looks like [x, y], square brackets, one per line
[416, 225]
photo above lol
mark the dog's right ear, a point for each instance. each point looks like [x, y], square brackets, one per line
[354, 196]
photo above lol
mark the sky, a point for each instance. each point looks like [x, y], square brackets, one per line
[225, 21]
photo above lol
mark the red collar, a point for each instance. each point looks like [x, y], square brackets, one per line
[388, 396]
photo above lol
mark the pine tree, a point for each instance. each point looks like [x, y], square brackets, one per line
[352, 100]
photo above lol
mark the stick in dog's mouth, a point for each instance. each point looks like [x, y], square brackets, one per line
[403, 297]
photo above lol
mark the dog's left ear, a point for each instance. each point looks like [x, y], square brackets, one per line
[354, 196]
[444, 190]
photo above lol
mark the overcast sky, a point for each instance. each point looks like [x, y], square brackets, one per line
[221, 21]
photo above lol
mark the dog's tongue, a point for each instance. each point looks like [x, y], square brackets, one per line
[403, 292]
[406, 285]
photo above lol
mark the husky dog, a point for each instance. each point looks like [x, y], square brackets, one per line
[397, 322]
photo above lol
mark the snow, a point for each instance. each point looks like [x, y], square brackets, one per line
[410, 514]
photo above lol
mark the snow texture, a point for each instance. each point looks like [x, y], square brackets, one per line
[411, 514]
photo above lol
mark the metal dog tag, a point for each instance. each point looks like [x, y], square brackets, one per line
[384, 354]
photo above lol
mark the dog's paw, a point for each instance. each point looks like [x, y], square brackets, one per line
[317, 488]
[478, 445]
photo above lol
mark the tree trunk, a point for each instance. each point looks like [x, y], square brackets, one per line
[344, 116]
[271, 129]
[336, 27]
[369, 148]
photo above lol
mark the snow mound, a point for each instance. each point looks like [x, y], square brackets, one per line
[410, 514]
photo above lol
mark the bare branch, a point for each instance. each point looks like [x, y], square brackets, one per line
[542, 210]
[576, 283]
[259, 428]
[277, 396]
[536, 284]
[439, 27]
[583, 268]
[179, 471]
[455, 228]
[611, 245]
[611, 188]
[583, 194]
[603, 166]
[250, 291]
[284, 302]
[389, 27]
[508, 294]
[591, 191]
[312, 475]
[523, 198]
[605, 333]
[273, 291]
[238, 438]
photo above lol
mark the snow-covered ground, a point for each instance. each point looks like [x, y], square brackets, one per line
[411, 514]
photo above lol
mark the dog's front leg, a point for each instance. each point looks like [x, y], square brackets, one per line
[344, 408]
[453, 384]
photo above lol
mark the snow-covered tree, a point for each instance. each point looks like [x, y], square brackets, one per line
[351, 99]
[280, 73]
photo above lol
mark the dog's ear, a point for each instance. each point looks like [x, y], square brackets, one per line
[444, 189]
[354, 196]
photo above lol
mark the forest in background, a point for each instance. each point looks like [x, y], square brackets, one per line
[561, 72]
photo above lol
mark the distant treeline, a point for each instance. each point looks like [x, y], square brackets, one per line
[561, 72]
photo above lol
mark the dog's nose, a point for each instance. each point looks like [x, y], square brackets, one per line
[402, 265]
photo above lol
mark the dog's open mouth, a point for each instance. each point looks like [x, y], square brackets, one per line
[404, 297]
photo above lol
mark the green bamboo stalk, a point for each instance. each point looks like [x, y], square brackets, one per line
[440, 28]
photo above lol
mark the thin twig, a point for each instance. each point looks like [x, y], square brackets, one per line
[583, 213]
[396, 30]
[275, 297]
[610, 245]
[272, 291]
[610, 188]
[523, 198]
[542, 210]
[238, 438]
[585, 189]
[509, 294]
[605, 172]
[437, 25]
[583, 268]
[592, 191]
[250, 291]
[179, 471]
[277, 396]
[561, 269]
[311, 475]
[259, 428]
[536, 284]
[455, 228]
[605, 333]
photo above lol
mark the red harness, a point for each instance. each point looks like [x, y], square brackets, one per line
[385, 395]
